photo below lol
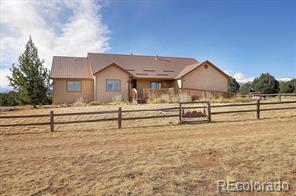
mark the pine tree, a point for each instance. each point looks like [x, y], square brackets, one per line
[30, 78]
[266, 83]
[233, 85]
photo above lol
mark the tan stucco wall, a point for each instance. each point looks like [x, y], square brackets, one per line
[60, 94]
[111, 72]
[206, 79]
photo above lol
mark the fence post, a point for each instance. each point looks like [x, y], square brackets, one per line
[51, 121]
[258, 109]
[280, 97]
[119, 118]
[209, 111]
[180, 113]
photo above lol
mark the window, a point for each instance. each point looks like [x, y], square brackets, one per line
[73, 86]
[155, 85]
[113, 85]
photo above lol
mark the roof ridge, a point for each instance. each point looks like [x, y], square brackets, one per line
[141, 55]
[71, 57]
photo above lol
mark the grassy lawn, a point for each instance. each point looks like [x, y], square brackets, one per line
[147, 158]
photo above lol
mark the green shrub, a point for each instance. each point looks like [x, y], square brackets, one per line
[233, 85]
[8, 99]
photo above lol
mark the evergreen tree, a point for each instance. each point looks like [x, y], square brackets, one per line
[293, 83]
[245, 88]
[233, 85]
[30, 78]
[286, 87]
[266, 83]
[8, 99]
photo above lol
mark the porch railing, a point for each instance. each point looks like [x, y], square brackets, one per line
[194, 93]
[154, 93]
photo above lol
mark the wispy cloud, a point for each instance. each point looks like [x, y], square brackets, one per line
[241, 78]
[66, 27]
[284, 79]
[3, 81]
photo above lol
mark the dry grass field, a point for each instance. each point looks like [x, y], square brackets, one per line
[151, 157]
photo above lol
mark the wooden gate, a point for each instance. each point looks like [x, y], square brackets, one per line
[195, 112]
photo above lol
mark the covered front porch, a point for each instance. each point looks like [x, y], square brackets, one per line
[143, 89]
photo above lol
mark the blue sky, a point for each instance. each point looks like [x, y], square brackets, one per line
[249, 37]
[243, 38]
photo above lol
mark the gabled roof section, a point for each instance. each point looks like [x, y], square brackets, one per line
[141, 66]
[70, 67]
[114, 64]
[192, 67]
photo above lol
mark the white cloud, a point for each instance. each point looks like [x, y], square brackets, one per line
[67, 27]
[284, 79]
[239, 77]
[3, 80]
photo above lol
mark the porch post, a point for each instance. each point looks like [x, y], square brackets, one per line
[129, 89]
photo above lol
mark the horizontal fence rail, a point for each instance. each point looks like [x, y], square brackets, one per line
[84, 121]
[278, 102]
[151, 110]
[86, 113]
[263, 95]
[232, 105]
[148, 117]
[205, 105]
[234, 111]
[25, 124]
[285, 108]
[26, 116]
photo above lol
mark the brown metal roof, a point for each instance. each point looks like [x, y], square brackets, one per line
[156, 67]
[138, 65]
[187, 69]
[70, 67]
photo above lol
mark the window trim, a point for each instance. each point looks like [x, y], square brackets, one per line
[117, 90]
[73, 81]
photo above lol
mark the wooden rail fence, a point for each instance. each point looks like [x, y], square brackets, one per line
[206, 106]
[262, 95]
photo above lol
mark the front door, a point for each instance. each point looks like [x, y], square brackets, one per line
[134, 83]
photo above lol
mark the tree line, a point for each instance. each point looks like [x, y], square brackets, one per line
[266, 84]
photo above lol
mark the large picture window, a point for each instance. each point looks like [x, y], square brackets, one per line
[73, 86]
[155, 85]
[113, 85]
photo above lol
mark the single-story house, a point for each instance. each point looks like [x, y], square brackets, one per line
[103, 77]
